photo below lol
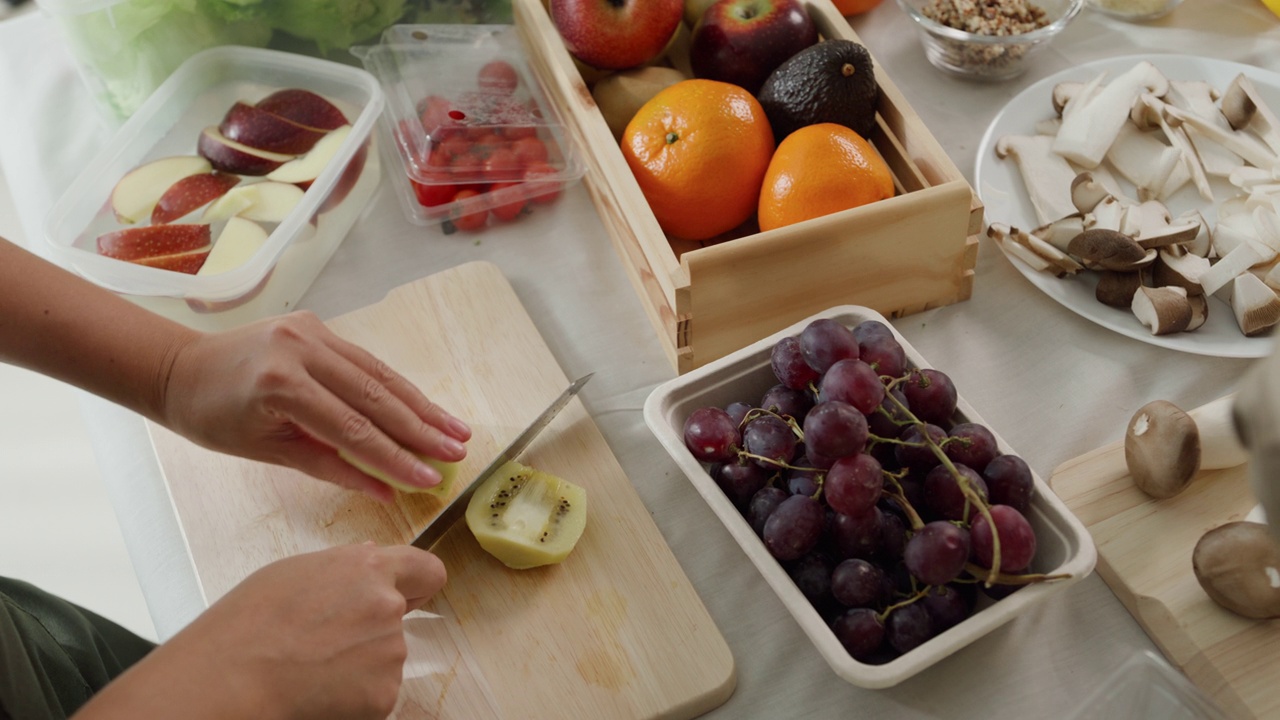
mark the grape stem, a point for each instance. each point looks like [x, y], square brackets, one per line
[900, 495]
[919, 594]
[1019, 579]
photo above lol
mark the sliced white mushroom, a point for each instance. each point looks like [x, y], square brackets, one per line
[1060, 260]
[1200, 98]
[1246, 177]
[1249, 148]
[1229, 266]
[1060, 232]
[1183, 271]
[1199, 311]
[1164, 310]
[1090, 127]
[1256, 306]
[1243, 108]
[1045, 174]
[1000, 233]
[1155, 110]
[1048, 126]
[1165, 446]
[1086, 192]
[1106, 215]
[1202, 243]
[1157, 230]
[1064, 91]
[1154, 168]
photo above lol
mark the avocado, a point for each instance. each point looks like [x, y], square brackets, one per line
[831, 81]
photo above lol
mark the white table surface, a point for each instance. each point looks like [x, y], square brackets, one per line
[1053, 384]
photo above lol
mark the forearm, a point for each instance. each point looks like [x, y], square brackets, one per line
[63, 326]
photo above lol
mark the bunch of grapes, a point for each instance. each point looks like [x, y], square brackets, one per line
[889, 514]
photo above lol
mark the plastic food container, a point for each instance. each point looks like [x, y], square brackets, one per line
[1145, 687]
[198, 95]
[465, 115]
[987, 56]
[1136, 10]
[124, 49]
[1063, 543]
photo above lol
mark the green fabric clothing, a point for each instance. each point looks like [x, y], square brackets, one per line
[55, 655]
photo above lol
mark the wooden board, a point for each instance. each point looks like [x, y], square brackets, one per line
[1144, 555]
[616, 631]
[902, 255]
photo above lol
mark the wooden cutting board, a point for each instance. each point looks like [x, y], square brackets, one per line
[1144, 555]
[616, 631]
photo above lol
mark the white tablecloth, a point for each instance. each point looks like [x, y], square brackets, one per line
[1053, 384]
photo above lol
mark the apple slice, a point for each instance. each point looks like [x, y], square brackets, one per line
[135, 194]
[267, 201]
[136, 244]
[191, 192]
[309, 166]
[230, 156]
[257, 128]
[304, 107]
[239, 241]
[188, 262]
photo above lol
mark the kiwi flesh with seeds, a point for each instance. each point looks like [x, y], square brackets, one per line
[527, 518]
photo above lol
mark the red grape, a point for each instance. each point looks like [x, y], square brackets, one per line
[786, 401]
[853, 382]
[1010, 482]
[835, 429]
[860, 631]
[771, 438]
[737, 412]
[971, 444]
[763, 503]
[936, 554]
[824, 341]
[858, 583]
[943, 495]
[947, 605]
[908, 627]
[919, 456]
[740, 480]
[932, 395]
[794, 527]
[711, 435]
[789, 366]
[1017, 539]
[853, 484]
[856, 536]
[812, 575]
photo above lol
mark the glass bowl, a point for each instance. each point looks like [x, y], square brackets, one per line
[1139, 10]
[987, 57]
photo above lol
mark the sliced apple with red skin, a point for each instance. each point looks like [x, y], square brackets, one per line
[227, 155]
[257, 128]
[350, 176]
[191, 193]
[307, 168]
[305, 108]
[236, 245]
[136, 194]
[180, 247]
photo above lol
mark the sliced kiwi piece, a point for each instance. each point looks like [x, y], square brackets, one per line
[448, 471]
[526, 517]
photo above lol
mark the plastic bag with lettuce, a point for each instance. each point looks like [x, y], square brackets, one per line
[127, 48]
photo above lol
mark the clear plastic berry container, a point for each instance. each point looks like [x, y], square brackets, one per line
[470, 125]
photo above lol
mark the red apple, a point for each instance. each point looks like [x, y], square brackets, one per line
[304, 107]
[308, 167]
[616, 34]
[138, 243]
[191, 192]
[743, 41]
[135, 195]
[178, 247]
[264, 130]
[230, 156]
[350, 176]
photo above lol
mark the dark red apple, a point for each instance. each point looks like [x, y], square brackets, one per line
[177, 247]
[743, 41]
[257, 128]
[616, 34]
[304, 108]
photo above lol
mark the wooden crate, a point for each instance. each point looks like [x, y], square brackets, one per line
[903, 255]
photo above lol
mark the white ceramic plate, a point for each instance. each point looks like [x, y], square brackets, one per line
[1002, 191]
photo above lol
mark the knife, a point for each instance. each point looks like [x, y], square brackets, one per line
[457, 507]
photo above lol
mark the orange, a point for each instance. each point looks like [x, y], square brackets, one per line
[818, 170]
[854, 7]
[699, 150]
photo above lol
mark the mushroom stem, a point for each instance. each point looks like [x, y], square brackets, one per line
[1220, 447]
[1089, 129]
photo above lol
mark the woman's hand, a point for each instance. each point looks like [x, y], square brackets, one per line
[289, 391]
[318, 635]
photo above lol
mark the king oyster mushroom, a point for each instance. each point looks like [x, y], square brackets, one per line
[1102, 249]
[1089, 128]
[1165, 446]
[1046, 175]
[1199, 98]
[1243, 108]
[1116, 288]
[1256, 306]
[1238, 565]
[1164, 310]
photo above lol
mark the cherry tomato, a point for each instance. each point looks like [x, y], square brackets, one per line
[455, 145]
[530, 150]
[502, 164]
[499, 76]
[542, 191]
[432, 195]
[509, 210]
[486, 141]
[470, 211]
[517, 132]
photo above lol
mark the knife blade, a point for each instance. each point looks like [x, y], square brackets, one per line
[457, 507]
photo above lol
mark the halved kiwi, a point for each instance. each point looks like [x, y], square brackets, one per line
[448, 471]
[526, 517]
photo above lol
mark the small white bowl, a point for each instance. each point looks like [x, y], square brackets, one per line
[1063, 543]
